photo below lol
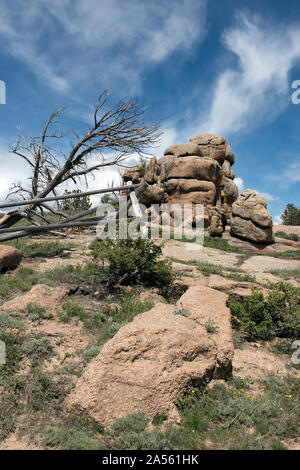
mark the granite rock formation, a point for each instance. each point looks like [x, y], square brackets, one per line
[251, 219]
[198, 172]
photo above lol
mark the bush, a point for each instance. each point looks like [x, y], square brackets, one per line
[75, 433]
[36, 312]
[76, 204]
[291, 215]
[278, 315]
[46, 249]
[211, 327]
[91, 352]
[130, 423]
[37, 349]
[219, 244]
[146, 440]
[288, 236]
[183, 312]
[11, 320]
[23, 280]
[134, 261]
[121, 315]
[41, 391]
[70, 310]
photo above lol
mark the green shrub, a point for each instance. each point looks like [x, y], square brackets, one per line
[291, 215]
[95, 320]
[11, 320]
[110, 330]
[219, 244]
[288, 236]
[37, 349]
[70, 439]
[76, 204]
[75, 433]
[46, 249]
[36, 312]
[22, 280]
[229, 416]
[278, 315]
[211, 327]
[42, 391]
[158, 419]
[240, 277]
[71, 310]
[146, 440]
[128, 308]
[289, 254]
[13, 344]
[10, 403]
[91, 352]
[183, 312]
[130, 423]
[133, 261]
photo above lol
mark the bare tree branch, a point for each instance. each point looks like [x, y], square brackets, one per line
[120, 129]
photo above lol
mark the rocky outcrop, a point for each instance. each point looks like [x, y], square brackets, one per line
[156, 357]
[48, 297]
[251, 219]
[198, 172]
[9, 257]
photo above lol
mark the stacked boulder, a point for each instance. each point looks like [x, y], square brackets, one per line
[198, 172]
[251, 219]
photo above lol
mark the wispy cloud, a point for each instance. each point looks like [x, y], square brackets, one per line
[8, 173]
[67, 42]
[288, 176]
[277, 219]
[240, 184]
[268, 197]
[292, 173]
[255, 90]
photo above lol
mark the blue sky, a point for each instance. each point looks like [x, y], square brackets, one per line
[217, 66]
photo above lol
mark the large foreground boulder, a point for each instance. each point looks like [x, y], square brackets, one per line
[156, 357]
[251, 219]
[9, 257]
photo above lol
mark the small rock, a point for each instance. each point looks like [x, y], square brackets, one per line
[48, 297]
[9, 257]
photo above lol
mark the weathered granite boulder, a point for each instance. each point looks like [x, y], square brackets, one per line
[154, 359]
[198, 172]
[183, 150]
[48, 297]
[251, 219]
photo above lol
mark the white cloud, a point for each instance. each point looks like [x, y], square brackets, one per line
[268, 196]
[277, 219]
[292, 174]
[288, 176]
[256, 89]
[8, 175]
[240, 184]
[75, 41]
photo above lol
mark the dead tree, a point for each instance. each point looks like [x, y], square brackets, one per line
[120, 129]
